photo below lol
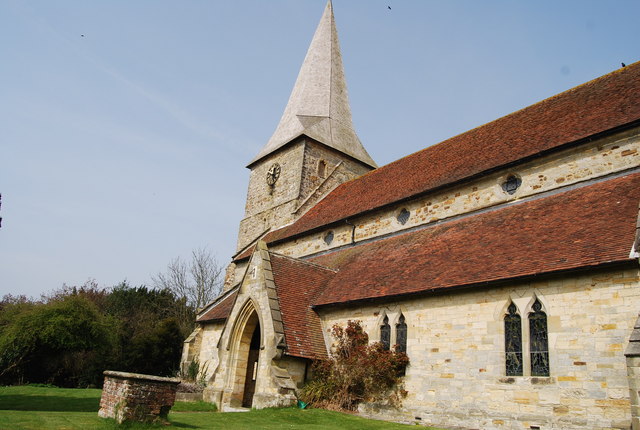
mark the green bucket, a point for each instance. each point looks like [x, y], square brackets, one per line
[301, 404]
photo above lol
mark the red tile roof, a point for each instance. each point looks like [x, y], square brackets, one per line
[602, 104]
[298, 283]
[220, 310]
[583, 227]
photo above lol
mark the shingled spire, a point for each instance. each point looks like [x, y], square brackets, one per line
[319, 105]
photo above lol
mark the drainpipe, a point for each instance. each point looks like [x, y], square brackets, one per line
[353, 230]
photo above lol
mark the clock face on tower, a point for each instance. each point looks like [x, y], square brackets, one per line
[273, 174]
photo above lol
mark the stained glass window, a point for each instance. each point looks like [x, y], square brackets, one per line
[513, 341]
[328, 238]
[401, 334]
[538, 337]
[511, 184]
[403, 216]
[385, 333]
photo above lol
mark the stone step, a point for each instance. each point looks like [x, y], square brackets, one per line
[232, 409]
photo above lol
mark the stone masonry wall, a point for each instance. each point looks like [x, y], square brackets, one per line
[338, 169]
[297, 189]
[135, 397]
[208, 357]
[271, 207]
[632, 354]
[456, 346]
[274, 385]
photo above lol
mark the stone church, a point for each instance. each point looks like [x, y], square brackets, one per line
[503, 260]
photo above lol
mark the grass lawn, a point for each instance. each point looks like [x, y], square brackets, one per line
[40, 408]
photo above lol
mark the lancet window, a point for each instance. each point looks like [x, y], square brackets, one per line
[527, 356]
[322, 168]
[538, 338]
[401, 334]
[513, 341]
[385, 333]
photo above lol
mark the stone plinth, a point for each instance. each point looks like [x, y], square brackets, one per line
[135, 397]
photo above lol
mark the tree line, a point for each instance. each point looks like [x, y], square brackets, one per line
[70, 336]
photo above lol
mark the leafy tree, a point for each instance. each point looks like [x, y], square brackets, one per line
[355, 372]
[42, 337]
[156, 352]
[70, 336]
[150, 336]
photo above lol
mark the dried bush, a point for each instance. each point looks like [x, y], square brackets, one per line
[355, 372]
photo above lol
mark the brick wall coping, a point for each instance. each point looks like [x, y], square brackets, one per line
[127, 375]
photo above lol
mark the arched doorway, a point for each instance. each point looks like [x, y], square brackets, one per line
[252, 367]
[247, 353]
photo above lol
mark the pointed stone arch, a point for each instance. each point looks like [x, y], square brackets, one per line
[245, 344]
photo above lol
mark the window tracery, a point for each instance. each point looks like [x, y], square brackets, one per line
[513, 341]
[538, 339]
[385, 333]
[401, 334]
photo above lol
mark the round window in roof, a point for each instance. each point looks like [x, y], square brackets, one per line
[328, 238]
[403, 216]
[511, 184]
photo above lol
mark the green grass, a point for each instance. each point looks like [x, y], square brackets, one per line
[42, 408]
[194, 407]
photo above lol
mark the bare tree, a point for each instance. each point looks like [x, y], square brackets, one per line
[197, 281]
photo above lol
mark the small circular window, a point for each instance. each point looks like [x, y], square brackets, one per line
[511, 184]
[403, 216]
[328, 238]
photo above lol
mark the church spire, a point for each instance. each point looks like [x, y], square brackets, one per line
[319, 106]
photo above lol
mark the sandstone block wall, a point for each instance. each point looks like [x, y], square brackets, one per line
[136, 397]
[301, 184]
[271, 206]
[254, 305]
[457, 374]
[338, 168]
[208, 356]
[632, 353]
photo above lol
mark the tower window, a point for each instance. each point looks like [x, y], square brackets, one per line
[322, 168]
[385, 333]
[513, 341]
[538, 336]
[403, 216]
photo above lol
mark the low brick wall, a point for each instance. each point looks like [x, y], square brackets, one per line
[135, 397]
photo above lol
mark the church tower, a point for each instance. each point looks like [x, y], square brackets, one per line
[314, 148]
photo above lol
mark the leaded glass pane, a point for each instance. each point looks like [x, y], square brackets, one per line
[401, 334]
[385, 333]
[403, 216]
[513, 342]
[328, 238]
[511, 184]
[539, 341]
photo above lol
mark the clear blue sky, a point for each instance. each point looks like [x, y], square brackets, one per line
[124, 148]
